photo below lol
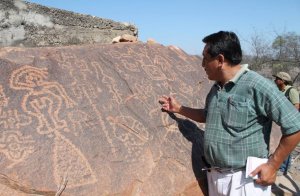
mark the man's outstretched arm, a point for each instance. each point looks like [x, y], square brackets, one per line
[170, 104]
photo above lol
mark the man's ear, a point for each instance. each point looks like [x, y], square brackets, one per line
[221, 59]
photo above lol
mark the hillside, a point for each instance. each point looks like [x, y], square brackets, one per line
[32, 25]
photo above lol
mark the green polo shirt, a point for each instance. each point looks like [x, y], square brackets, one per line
[239, 118]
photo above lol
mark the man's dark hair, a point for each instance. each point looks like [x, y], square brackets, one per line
[225, 43]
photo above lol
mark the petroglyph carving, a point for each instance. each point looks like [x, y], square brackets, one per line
[44, 100]
[80, 121]
[159, 60]
[163, 63]
[131, 133]
[65, 60]
[186, 68]
[3, 98]
[185, 64]
[85, 90]
[96, 65]
[10, 119]
[154, 72]
[110, 82]
[15, 146]
[83, 67]
[125, 61]
[144, 90]
[165, 85]
[186, 89]
[166, 66]
[70, 162]
[144, 94]
[131, 127]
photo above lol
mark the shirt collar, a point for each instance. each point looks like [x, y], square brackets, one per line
[244, 68]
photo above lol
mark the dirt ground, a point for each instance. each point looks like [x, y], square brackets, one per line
[289, 184]
[295, 167]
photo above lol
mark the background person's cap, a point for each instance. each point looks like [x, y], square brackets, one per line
[284, 76]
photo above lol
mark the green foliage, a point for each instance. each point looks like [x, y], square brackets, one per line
[282, 55]
[287, 46]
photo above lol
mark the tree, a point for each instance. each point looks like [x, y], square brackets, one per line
[261, 51]
[287, 47]
[282, 54]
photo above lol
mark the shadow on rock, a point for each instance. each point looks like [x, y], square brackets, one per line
[281, 189]
[196, 136]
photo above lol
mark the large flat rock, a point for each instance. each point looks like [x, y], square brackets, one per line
[86, 119]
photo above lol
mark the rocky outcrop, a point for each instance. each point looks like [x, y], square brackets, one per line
[30, 25]
[85, 120]
[124, 38]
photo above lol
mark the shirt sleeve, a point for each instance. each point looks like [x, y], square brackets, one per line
[278, 108]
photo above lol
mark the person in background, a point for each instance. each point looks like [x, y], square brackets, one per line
[238, 113]
[284, 83]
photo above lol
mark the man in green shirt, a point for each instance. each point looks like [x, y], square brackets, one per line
[238, 113]
[284, 83]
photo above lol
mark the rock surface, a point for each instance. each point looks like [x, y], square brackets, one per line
[85, 120]
[30, 25]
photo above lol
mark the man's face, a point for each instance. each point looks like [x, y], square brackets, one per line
[210, 65]
[278, 81]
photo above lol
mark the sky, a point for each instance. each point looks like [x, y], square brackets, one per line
[184, 23]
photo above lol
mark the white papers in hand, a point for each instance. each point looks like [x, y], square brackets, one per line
[252, 164]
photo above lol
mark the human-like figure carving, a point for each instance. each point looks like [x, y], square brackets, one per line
[44, 101]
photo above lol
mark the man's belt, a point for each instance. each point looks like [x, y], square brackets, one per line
[223, 170]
